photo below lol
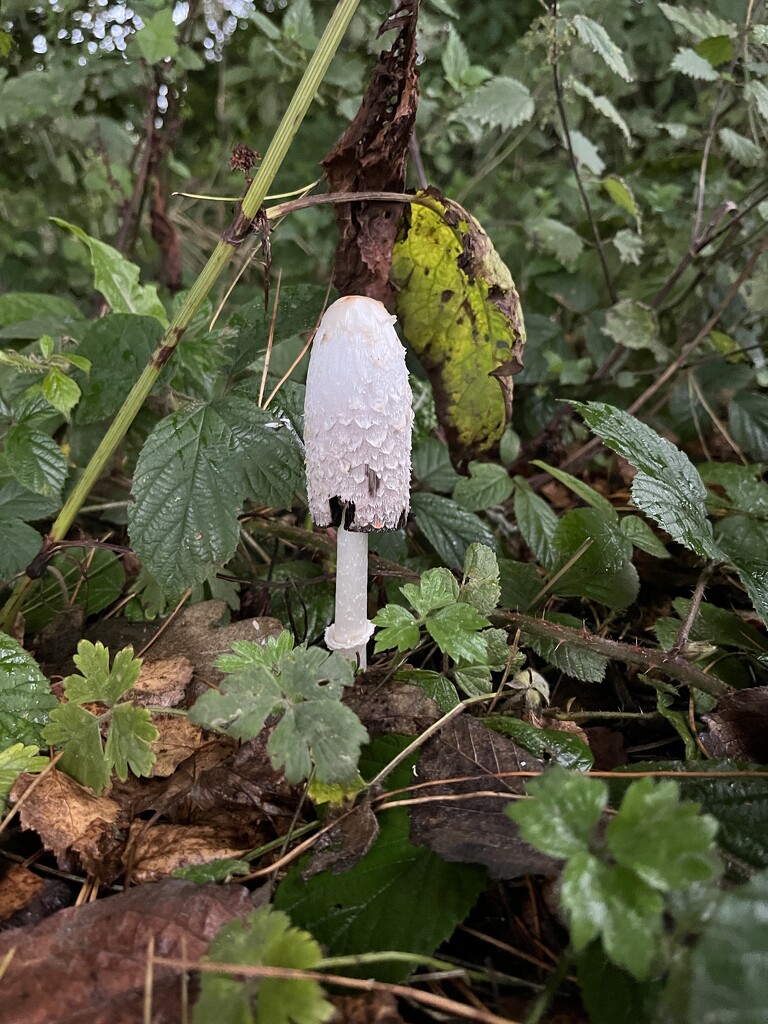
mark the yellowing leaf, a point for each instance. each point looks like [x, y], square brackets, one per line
[460, 313]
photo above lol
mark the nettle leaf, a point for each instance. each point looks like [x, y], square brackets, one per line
[454, 630]
[436, 589]
[265, 937]
[562, 814]
[740, 147]
[689, 63]
[667, 486]
[700, 24]
[558, 238]
[20, 545]
[629, 246]
[16, 760]
[97, 681]
[432, 465]
[604, 106]
[668, 843]
[373, 909]
[481, 584]
[488, 484]
[536, 521]
[586, 152]
[117, 278]
[598, 40]
[725, 976]
[60, 390]
[502, 102]
[397, 628]
[633, 325]
[25, 697]
[118, 347]
[191, 477]
[79, 733]
[581, 489]
[639, 533]
[449, 529]
[604, 571]
[748, 422]
[758, 93]
[36, 461]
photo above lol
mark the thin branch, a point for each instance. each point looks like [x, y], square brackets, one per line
[701, 184]
[646, 658]
[681, 639]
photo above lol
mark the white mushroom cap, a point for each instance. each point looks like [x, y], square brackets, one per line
[358, 419]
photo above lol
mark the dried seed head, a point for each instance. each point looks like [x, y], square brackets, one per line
[358, 419]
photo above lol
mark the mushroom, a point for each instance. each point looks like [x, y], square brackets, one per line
[358, 419]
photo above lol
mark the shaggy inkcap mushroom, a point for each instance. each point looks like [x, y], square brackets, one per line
[358, 419]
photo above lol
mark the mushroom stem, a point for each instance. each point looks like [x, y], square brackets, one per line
[351, 630]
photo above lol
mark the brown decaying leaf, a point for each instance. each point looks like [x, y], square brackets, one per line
[738, 729]
[80, 829]
[178, 740]
[18, 887]
[162, 682]
[88, 964]
[475, 830]
[372, 156]
[371, 1008]
[384, 707]
[156, 851]
[347, 842]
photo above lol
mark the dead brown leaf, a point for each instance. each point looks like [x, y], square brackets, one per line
[178, 740]
[18, 887]
[87, 964]
[371, 1008]
[156, 851]
[80, 829]
[475, 830]
[346, 842]
[163, 682]
[738, 729]
[372, 156]
[385, 707]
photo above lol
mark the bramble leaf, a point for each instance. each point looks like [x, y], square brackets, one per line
[436, 589]
[455, 631]
[25, 697]
[264, 938]
[16, 759]
[36, 461]
[481, 587]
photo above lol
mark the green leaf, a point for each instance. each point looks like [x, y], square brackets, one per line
[758, 93]
[536, 521]
[615, 903]
[20, 307]
[742, 149]
[473, 680]
[639, 533]
[241, 705]
[586, 153]
[190, 480]
[460, 313]
[157, 39]
[91, 579]
[520, 583]
[668, 843]
[449, 529]
[725, 976]
[454, 58]
[629, 246]
[633, 325]
[117, 278]
[25, 697]
[584, 665]
[566, 749]
[323, 733]
[20, 545]
[97, 681]
[432, 465]
[604, 571]
[597, 39]
[61, 391]
[397, 628]
[437, 589]
[481, 587]
[454, 630]
[373, 908]
[129, 740]
[79, 733]
[488, 485]
[264, 938]
[436, 686]
[748, 422]
[666, 487]
[604, 987]
[604, 106]
[118, 346]
[15, 760]
[36, 461]
[247, 652]
[581, 489]
[700, 24]
[558, 238]
[689, 63]
[561, 813]
[502, 102]
[717, 50]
